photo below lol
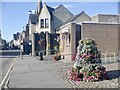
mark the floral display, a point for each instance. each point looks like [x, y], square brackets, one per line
[41, 42]
[87, 66]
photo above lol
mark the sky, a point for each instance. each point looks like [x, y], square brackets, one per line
[15, 14]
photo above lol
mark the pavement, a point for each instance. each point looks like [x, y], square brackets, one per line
[30, 72]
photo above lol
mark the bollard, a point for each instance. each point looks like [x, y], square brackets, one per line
[113, 56]
[104, 58]
[21, 54]
[41, 55]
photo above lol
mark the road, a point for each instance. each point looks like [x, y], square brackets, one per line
[9, 53]
[5, 65]
[6, 59]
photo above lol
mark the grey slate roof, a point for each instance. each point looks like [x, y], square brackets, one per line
[64, 8]
[33, 18]
[50, 9]
[73, 18]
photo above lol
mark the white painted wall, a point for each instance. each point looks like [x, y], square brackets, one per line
[45, 14]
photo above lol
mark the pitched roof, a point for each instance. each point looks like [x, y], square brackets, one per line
[64, 8]
[73, 18]
[33, 18]
[50, 9]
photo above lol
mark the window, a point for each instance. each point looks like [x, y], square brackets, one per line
[42, 23]
[46, 23]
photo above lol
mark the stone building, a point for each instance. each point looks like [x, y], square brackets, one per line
[46, 20]
[70, 33]
[104, 28]
[102, 17]
[115, 19]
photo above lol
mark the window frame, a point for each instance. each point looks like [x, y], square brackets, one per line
[46, 22]
[42, 23]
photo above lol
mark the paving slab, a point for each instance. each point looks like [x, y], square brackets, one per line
[29, 72]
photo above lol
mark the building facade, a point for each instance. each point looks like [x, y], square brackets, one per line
[104, 28]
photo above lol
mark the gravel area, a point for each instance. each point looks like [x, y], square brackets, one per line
[60, 68]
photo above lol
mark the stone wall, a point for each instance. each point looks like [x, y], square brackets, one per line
[69, 44]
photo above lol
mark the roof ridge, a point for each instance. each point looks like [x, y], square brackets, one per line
[65, 8]
[74, 17]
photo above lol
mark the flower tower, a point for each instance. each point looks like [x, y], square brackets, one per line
[87, 66]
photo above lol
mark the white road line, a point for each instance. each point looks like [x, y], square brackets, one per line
[7, 74]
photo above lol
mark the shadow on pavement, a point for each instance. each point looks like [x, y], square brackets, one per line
[113, 74]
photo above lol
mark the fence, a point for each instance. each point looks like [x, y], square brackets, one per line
[110, 56]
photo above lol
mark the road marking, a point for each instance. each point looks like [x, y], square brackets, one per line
[7, 74]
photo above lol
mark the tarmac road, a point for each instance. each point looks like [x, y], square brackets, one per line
[5, 64]
[6, 59]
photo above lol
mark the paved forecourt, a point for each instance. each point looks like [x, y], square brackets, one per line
[29, 72]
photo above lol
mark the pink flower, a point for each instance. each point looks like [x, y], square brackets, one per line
[81, 72]
[95, 79]
[78, 79]
[76, 76]
[83, 55]
[71, 78]
[104, 72]
[90, 78]
[85, 73]
[91, 55]
[85, 79]
[69, 71]
[87, 57]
